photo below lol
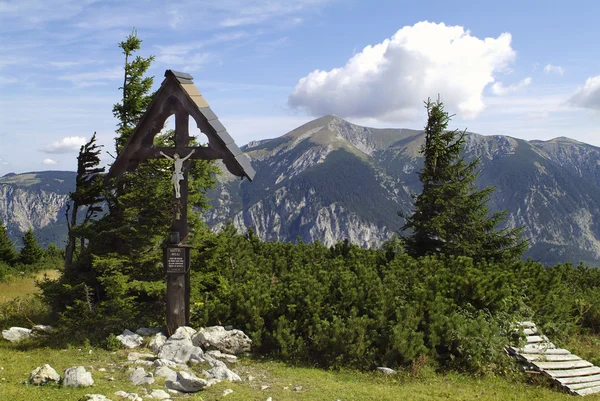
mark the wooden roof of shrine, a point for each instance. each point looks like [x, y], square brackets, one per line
[178, 94]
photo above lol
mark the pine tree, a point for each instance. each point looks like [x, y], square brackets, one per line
[7, 249]
[88, 192]
[136, 89]
[118, 278]
[31, 252]
[451, 215]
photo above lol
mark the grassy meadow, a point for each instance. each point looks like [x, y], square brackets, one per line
[110, 371]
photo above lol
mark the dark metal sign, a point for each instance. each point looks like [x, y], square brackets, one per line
[176, 260]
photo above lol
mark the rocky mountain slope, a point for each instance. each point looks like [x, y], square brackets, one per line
[36, 200]
[329, 180]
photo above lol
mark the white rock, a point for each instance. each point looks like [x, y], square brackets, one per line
[179, 347]
[159, 395]
[16, 334]
[129, 339]
[222, 373]
[134, 356]
[227, 391]
[213, 362]
[41, 328]
[227, 341]
[269, 399]
[157, 342]
[212, 382]
[43, 375]
[166, 372]
[219, 355]
[128, 396]
[147, 331]
[77, 376]
[95, 397]
[264, 387]
[139, 377]
[386, 371]
[187, 383]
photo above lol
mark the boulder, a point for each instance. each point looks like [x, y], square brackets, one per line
[186, 383]
[43, 375]
[147, 331]
[226, 392]
[158, 340]
[128, 396]
[16, 334]
[227, 341]
[41, 328]
[179, 347]
[386, 371]
[213, 362]
[95, 397]
[166, 372]
[139, 377]
[219, 355]
[134, 356]
[77, 376]
[222, 373]
[159, 395]
[129, 339]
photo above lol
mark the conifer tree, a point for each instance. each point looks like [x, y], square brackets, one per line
[88, 192]
[451, 215]
[31, 252]
[118, 278]
[7, 250]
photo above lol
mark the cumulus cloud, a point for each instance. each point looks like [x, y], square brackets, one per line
[499, 89]
[391, 79]
[65, 145]
[588, 96]
[554, 69]
[49, 162]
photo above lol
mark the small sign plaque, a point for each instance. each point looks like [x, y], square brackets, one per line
[176, 260]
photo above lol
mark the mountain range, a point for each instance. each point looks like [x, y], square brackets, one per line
[329, 180]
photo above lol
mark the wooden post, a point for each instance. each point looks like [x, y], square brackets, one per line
[178, 95]
[178, 293]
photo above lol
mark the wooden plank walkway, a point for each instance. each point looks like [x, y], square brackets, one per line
[568, 371]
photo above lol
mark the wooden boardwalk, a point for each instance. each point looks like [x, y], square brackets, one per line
[569, 371]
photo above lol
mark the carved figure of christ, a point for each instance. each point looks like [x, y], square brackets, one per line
[177, 170]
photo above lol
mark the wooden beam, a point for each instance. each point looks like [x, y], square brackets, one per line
[200, 152]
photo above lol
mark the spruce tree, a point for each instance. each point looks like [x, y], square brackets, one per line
[7, 249]
[88, 192]
[118, 278]
[31, 252]
[451, 215]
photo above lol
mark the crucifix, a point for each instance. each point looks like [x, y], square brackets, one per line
[179, 96]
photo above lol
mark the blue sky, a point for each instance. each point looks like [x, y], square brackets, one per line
[526, 69]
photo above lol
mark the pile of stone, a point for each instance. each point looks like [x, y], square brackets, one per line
[214, 346]
[16, 334]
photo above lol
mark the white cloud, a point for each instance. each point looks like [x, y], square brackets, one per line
[65, 145]
[588, 96]
[499, 89]
[554, 69]
[101, 77]
[49, 162]
[391, 79]
[174, 19]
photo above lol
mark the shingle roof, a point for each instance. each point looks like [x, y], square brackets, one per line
[178, 90]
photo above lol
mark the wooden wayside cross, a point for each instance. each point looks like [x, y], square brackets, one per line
[179, 96]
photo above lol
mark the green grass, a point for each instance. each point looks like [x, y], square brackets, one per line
[420, 383]
[23, 286]
[317, 385]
